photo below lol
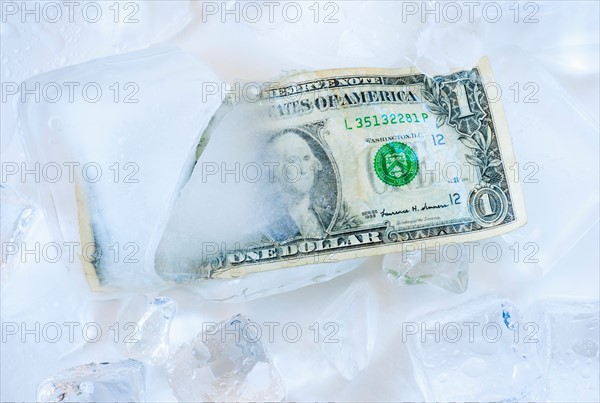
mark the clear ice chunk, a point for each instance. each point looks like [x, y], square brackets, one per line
[571, 350]
[149, 343]
[445, 266]
[121, 198]
[225, 363]
[351, 326]
[169, 106]
[121, 381]
[16, 217]
[481, 350]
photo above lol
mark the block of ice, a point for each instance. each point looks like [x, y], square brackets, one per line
[120, 148]
[447, 267]
[121, 381]
[351, 322]
[225, 363]
[481, 350]
[149, 342]
[570, 349]
[113, 187]
[16, 217]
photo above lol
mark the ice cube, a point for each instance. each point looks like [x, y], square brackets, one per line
[481, 350]
[121, 381]
[225, 363]
[444, 266]
[571, 349]
[16, 217]
[149, 342]
[350, 323]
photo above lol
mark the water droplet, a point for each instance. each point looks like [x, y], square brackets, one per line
[55, 124]
[443, 377]
[586, 373]
[586, 348]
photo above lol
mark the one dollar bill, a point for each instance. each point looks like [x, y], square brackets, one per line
[341, 164]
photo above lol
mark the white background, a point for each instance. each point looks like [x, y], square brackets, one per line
[559, 133]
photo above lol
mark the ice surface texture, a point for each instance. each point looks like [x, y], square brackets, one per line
[121, 381]
[446, 267]
[16, 217]
[352, 322]
[571, 349]
[136, 143]
[481, 350]
[151, 323]
[37, 45]
[226, 362]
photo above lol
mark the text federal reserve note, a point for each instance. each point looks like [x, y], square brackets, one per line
[340, 164]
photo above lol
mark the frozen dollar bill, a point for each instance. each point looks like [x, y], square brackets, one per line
[339, 164]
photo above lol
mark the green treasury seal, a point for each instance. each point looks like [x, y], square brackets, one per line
[396, 164]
